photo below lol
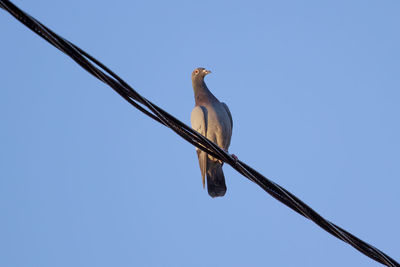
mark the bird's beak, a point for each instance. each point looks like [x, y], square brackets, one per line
[207, 71]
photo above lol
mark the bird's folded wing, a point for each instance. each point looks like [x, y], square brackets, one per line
[228, 135]
[229, 113]
[198, 120]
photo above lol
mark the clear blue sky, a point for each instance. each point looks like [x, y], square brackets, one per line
[87, 180]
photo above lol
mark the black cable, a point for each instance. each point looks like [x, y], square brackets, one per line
[153, 111]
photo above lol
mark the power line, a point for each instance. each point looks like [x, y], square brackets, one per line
[104, 74]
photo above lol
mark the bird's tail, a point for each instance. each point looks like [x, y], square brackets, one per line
[215, 179]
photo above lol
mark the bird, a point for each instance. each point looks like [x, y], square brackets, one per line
[212, 119]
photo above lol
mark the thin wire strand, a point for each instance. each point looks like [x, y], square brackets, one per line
[104, 74]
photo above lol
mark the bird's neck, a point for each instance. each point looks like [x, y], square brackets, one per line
[201, 93]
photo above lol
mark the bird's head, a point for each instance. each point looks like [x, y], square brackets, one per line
[199, 73]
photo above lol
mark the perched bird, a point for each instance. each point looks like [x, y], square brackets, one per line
[213, 120]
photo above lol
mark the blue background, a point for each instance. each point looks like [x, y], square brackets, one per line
[87, 180]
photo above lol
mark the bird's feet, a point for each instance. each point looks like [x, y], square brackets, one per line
[234, 157]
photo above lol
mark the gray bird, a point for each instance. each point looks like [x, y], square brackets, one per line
[213, 120]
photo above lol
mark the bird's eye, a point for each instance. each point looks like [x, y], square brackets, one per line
[196, 72]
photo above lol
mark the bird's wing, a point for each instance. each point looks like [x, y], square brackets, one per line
[228, 136]
[198, 120]
[229, 113]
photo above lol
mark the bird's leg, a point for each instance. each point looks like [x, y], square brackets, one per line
[232, 155]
